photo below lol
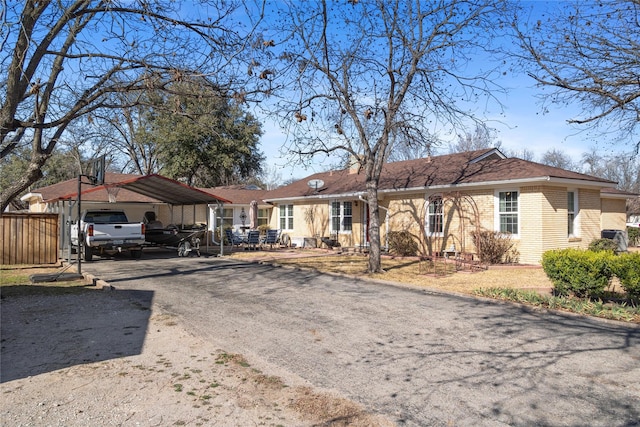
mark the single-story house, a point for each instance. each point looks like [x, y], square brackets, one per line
[442, 200]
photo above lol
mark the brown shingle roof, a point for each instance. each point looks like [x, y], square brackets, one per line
[440, 171]
[238, 194]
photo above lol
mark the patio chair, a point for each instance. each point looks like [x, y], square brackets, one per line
[272, 237]
[234, 240]
[253, 240]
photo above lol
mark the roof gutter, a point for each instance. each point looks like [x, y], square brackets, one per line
[501, 183]
[507, 183]
[318, 197]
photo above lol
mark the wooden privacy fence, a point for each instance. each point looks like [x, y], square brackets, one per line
[29, 238]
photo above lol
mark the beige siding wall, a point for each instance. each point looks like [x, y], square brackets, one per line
[590, 214]
[614, 215]
[37, 207]
[542, 226]
[312, 219]
[478, 213]
[543, 218]
[464, 212]
[542, 223]
[406, 213]
[181, 215]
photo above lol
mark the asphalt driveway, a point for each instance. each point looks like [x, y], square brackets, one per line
[419, 357]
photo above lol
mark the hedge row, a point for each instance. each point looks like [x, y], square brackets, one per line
[586, 274]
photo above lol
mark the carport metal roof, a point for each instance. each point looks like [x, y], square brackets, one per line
[168, 190]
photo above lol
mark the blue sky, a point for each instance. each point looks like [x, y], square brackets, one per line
[521, 124]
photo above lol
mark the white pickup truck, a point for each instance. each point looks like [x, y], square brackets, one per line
[107, 231]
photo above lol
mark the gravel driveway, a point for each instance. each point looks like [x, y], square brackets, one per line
[415, 356]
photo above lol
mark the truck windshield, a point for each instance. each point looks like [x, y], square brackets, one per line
[106, 217]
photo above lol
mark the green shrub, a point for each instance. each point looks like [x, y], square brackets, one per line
[585, 274]
[494, 247]
[626, 267]
[600, 245]
[402, 243]
[634, 236]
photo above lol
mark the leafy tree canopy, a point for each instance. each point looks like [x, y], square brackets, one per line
[203, 138]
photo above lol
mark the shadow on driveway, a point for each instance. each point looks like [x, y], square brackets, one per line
[43, 333]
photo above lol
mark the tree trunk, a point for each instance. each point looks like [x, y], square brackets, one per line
[375, 264]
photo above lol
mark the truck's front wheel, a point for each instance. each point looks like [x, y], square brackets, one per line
[88, 253]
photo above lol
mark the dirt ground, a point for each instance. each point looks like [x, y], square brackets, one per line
[100, 358]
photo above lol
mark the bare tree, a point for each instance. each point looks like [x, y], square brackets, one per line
[524, 154]
[401, 149]
[271, 177]
[130, 141]
[482, 137]
[623, 168]
[360, 73]
[588, 54]
[558, 158]
[62, 61]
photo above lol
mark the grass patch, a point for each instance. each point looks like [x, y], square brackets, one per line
[597, 308]
[238, 359]
[15, 281]
[48, 289]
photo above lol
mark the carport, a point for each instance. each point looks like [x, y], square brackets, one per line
[169, 191]
[163, 189]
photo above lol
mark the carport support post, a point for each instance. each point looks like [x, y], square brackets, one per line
[220, 208]
[79, 230]
[68, 230]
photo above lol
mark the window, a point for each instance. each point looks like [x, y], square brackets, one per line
[572, 214]
[263, 217]
[227, 217]
[341, 216]
[508, 212]
[435, 215]
[286, 217]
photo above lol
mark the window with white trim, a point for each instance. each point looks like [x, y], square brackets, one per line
[341, 216]
[508, 212]
[435, 216]
[286, 217]
[572, 214]
[227, 217]
[263, 217]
